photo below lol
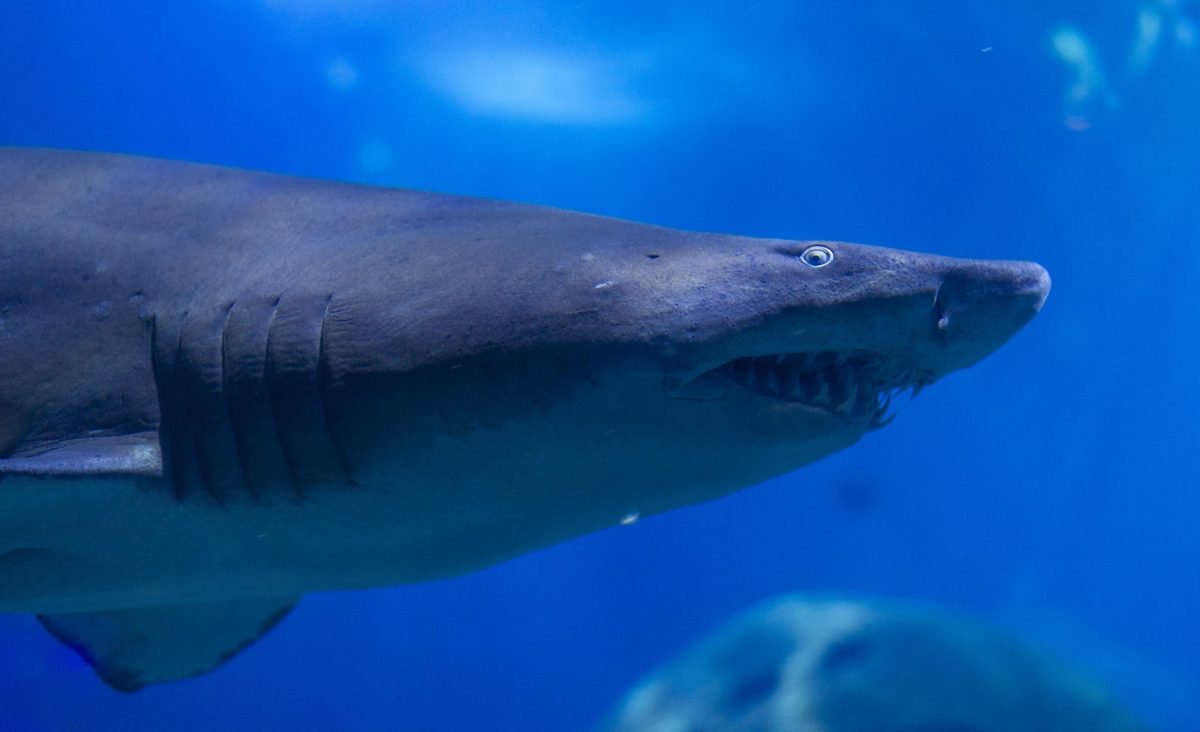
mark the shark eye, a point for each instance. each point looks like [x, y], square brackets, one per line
[817, 256]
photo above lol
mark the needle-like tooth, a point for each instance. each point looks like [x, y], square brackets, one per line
[850, 391]
[822, 396]
[865, 398]
[794, 389]
[883, 404]
[772, 382]
[763, 375]
[881, 420]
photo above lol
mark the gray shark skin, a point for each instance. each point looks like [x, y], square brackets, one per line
[223, 389]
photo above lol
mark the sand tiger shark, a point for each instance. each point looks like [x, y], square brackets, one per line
[221, 389]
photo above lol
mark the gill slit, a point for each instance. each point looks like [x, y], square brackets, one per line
[226, 395]
[269, 384]
[188, 407]
[166, 438]
[323, 384]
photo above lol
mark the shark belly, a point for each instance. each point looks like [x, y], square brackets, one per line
[461, 503]
[89, 544]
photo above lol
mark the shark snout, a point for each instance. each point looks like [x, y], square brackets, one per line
[901, 318]
[981, 304]
[1030, 284]
[1019, 286]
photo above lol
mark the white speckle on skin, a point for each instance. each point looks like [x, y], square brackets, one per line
[944, 322]
[606, 283]
[589, 257]
[630, 519]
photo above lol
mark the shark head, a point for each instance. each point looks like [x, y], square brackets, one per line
[626, 369]
[827, 332]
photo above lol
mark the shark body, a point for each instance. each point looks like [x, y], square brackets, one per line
[222, 389]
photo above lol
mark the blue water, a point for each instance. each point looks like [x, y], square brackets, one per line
[1053, 488]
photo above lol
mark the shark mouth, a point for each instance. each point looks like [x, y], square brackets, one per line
[858, 386]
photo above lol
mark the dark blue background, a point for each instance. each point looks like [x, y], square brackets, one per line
[1053, 488]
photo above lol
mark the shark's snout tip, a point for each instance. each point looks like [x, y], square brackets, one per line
[1035, 284]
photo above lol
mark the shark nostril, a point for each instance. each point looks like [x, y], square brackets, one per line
[941, 314]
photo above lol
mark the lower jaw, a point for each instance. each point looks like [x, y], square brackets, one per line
[861, 420]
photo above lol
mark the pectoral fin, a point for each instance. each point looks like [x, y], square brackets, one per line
[101, 455]
[133, 648]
